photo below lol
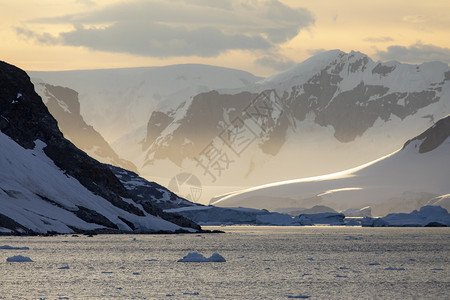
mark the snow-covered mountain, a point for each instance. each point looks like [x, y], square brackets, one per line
[414, 176]
[64, 106]
[117, 102]
[332, 112]
[48, 185]
[151, 192]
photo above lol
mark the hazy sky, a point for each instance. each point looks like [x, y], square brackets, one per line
[262, 37]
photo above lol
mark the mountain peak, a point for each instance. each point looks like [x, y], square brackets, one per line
[333, 60]
[431, 138]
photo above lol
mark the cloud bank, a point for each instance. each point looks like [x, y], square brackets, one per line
[162, 28]
[416, 53]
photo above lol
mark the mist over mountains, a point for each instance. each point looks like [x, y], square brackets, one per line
[415, 176]
[64, 105]
[233, 130]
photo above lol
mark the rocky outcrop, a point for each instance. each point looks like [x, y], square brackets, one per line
[25, 119]
[64, 106]
[146, 192]
[433, 137]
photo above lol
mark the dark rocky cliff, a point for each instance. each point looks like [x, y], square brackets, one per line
[25, 118]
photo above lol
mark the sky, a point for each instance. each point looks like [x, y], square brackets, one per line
[261, 37]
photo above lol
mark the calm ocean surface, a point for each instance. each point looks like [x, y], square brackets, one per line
[262, 263]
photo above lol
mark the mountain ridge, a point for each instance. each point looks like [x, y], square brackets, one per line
[64, 105]
[344, 102]
[400, 182]
[36, 157]
[331, 112]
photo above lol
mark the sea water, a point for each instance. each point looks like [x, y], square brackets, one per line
[261, 263]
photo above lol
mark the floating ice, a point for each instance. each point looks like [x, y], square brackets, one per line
[352, 238]
[427, 216]
[298, 297]
[19, 258]
[64, 268]
[197, 257]
[395, 269]
[7, 247]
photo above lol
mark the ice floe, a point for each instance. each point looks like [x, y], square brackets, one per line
[197, 257]
[298, 297]
[395, 269]
[19, 258]
[64, 268]
[7, 247]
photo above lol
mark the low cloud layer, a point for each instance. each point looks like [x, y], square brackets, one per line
[416, 53]
[162, 28]
[276, 62]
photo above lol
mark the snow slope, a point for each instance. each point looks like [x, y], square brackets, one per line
[147, 191]
[332, 112]
[118, 101]
[48, 185]
[400, 182]
[39, 196]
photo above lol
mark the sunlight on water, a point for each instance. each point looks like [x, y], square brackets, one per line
[262, 262]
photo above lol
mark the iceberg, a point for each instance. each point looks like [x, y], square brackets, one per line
[426, 216]
[321, 218]
[197, 257]
[19, 258]
[212, 215]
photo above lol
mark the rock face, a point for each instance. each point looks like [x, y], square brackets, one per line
[26, 121]
[149, 192]
[64, 106]
[118, 101]
[403, 181]
[432, 137]
[334, 111]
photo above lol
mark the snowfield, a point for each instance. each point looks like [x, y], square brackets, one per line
[400, 182]
[39, 196]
